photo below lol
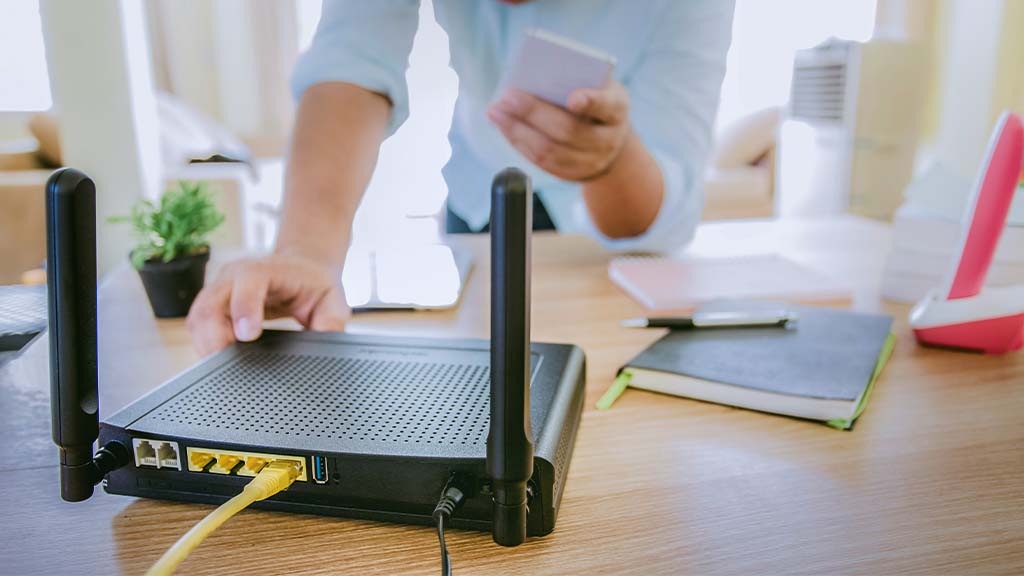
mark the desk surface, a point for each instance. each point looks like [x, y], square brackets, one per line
[929, 480]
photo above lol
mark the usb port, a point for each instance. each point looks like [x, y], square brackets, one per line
[319, 469]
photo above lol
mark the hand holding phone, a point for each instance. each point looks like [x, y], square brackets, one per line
[551, 67]
[561, 109]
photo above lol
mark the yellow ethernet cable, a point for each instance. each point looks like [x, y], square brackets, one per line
[271, 479]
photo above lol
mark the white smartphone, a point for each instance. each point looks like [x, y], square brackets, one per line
[551, 67]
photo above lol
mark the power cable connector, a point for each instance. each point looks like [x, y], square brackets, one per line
[452, 497]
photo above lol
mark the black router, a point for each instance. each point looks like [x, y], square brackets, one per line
[379, 425]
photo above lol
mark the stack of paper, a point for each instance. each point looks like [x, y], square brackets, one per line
[665, 284]
[927, 235]
[924, 247]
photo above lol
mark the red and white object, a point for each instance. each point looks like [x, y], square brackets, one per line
[961, 314]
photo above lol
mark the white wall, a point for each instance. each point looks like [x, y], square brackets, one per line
[102, 88]
[230, 59]
[24, 86]
[969, 60]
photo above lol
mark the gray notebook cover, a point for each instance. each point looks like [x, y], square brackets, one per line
[830, 354]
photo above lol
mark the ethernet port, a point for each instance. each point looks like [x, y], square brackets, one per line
[232, 463]
[167, 455]
[200, 461]
[145, 453]
[226, 464]
[253, 465]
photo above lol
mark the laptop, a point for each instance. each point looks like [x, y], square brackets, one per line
[22, 315]
[414, 277]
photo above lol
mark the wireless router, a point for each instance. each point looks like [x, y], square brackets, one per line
[377, 426]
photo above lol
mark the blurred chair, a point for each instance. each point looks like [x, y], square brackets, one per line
[740, 179]
[22, 210]
[26, 164]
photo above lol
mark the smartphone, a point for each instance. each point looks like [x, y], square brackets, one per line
[551, 67]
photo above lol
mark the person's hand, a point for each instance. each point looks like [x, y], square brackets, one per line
[245, 292]
[578, 144]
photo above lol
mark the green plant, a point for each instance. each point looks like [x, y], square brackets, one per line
[178, 225]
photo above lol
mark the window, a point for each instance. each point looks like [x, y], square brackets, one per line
[23, 75]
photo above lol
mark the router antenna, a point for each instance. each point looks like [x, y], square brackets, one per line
[510, 442]
[74, 399]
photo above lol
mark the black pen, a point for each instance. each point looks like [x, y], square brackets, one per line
[746, 319]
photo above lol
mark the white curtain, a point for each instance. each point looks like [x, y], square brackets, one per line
[231, 60]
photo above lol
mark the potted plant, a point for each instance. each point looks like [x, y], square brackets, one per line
[173, 246]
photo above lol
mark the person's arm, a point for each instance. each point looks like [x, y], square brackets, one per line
[337, 135]
[338, 130]
[638, 153]
[618, 215]
[352, 94]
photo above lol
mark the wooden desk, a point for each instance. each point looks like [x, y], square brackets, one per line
[929, 481]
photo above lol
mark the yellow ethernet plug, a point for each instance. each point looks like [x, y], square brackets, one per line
[236, 463]
[272, 478]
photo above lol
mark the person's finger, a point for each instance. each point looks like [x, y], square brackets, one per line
[248, 297]
[208, 319]
[330, 313]
[523, 137]
[557, 123]
[609, 105]
[537, 147]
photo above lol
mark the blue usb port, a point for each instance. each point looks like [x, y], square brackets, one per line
[319, 469]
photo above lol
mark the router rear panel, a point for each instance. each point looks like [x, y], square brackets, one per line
[380, 423]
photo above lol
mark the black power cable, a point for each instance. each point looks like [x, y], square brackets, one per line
[446, 562]
[451, 499]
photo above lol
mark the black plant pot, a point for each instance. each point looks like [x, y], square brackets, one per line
[172, 286]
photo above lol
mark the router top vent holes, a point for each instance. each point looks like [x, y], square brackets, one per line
[341, 398]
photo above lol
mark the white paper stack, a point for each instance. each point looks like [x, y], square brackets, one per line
[924, 246]
[671, 284]
[927, 232]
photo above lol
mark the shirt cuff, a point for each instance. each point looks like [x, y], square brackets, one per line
[311, 70]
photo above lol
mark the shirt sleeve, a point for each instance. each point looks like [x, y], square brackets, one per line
[366, 43]
[674, 92]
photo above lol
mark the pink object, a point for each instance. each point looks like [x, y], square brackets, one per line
[989, 206]
[962, 314]
[992, 335]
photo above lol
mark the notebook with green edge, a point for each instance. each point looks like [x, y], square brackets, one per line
[822, 368]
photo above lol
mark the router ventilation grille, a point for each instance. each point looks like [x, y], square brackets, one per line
[340, 398]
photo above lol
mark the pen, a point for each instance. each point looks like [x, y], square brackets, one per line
[777, 318]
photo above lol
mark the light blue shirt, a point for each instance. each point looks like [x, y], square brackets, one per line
[670, 56]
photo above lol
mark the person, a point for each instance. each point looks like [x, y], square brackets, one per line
[623, 163]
